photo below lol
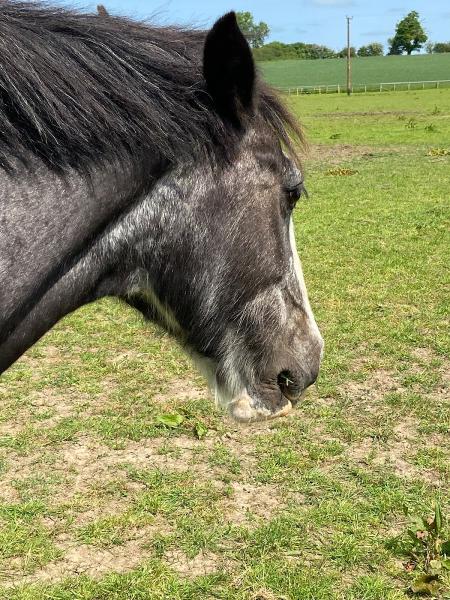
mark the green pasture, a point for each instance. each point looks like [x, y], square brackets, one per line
[370, 70]
[119, 480]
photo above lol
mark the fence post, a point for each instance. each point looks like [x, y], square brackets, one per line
[423, 85]
[339, 88]
[297, 91]
[381, 87]
[437, 85]
[409, 86]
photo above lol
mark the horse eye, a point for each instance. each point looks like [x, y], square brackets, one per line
[294, 193]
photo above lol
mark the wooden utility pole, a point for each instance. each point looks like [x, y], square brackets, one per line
[349, 59]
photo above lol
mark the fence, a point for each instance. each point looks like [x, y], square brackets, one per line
[364, 88]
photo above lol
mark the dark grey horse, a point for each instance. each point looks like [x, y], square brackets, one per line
[152, 164]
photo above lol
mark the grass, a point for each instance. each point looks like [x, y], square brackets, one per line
[371, 70]
[118, 478]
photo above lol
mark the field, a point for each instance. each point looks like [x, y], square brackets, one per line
[101, 500]
[373, 70]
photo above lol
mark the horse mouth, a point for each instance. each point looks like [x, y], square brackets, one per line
[268, 400]
[246, 410]
[278, 401]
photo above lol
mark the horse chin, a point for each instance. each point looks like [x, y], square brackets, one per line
[245, 409]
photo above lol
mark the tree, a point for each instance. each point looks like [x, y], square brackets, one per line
[278, 50]
[441, 47]
[374, 49]
[254, 33]
[313, 51]
[343, 53]
[393, 48]
[409, 35]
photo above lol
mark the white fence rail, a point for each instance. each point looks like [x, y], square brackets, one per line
[364, 88]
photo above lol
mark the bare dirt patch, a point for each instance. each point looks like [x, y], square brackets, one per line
[406, 430]
[91, 561]
[370, 392]
[395, 453]
[47, 354]
[10, 428]
[181, 389]
[335, 154]
[42, 355]
[204, 563]
[86, 467]
[249, 501]
[91, 463]
[423, 354]
[45, 409]
[87, 463]
[60, 405]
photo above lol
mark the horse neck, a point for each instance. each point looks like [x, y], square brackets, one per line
[58, 247]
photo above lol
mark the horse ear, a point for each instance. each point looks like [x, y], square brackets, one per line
[229, 69]
[101, 11]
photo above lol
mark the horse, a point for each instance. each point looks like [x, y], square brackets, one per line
[153, 164]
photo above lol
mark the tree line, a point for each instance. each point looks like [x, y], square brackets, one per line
[409, 36]
[438, 48]
[278, 50]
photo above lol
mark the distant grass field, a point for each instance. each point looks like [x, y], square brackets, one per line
[101, 500]
[373, 70]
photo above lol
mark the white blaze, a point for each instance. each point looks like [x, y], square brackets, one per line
[301, 283]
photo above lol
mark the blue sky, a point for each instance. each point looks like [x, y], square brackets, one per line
[319, 21]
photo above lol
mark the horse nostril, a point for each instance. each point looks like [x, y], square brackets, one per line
[289, 385]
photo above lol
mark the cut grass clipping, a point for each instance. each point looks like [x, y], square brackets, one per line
[438, 152]
[341, 172]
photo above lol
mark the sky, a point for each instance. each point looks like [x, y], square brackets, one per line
[312, 21]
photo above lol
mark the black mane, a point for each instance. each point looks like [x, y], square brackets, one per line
[76, 89]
